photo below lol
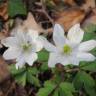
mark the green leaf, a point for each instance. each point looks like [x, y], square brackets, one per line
[33, 80]
[44, 66]
[14, 71]
[90, 66]
[16, 7]
[21, 79]
[67, 89]
[89, 36]
[93, 52]
[90, 28]
[90, 32]
[32, 70]
[56, 92]
[48, 88]
[43, 56]
[83, 79]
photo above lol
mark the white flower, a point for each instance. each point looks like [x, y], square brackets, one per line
[22, 47]
[69, 50]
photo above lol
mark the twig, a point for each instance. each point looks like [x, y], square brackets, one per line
[47, 15]
[72, 70]
[12, 86]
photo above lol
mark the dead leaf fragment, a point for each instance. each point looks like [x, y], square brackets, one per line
[70, 17]
[70, 2]
[3, 11]
[85, 5]
[89, 4]
[91, 19]
[30, 22]
[1, 93]
[3, 69]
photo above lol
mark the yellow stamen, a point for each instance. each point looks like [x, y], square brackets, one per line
[67, 49]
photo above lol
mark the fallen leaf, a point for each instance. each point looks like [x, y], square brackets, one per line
[70, 17]
[2, 35]
[30, 22]
[91, 19]
[3, 69]
[1, 93]
[3, 11]
[70, 2]
[89, 4]
[56, 1]
[86, 5]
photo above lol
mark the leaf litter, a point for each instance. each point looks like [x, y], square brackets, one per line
[40, 16]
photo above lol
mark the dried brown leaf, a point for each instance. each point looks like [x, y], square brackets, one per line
[1, 93]
[70, 17]
[30, 22]
[91, 19]
[3, 35]
[3, 69]
[88, 5]
[70, 2]
[3, 11]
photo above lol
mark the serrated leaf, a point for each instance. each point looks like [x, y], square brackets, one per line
[90, 66]
[44, 66]
[89, 36]
[67, 88]
[32, 70]
[48, 88]
[93, 51]
[90, 91]
[43, 56]
[21, 79]
[33, 80]
[65, 93]
[56, 93]
[16, 7]
[83, 79]
[14, 71]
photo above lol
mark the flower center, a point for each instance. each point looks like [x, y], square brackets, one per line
[67, 49]
[26, 47]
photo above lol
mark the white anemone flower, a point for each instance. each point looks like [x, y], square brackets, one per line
[69, 49]
[23, 46]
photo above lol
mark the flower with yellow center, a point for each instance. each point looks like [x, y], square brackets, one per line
[69, 50]
[23, 46]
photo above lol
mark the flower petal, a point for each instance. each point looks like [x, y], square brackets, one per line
[58, 35]
[9, 41]
[48, 46]
[75, 34]
[74, 60]
[38, 45]
[85, 56]
[20, 63]
[52, 60]
[57, 58]
[64, 60]
[33, 34]
[31, 58]
[87, 45]
[11, 53]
